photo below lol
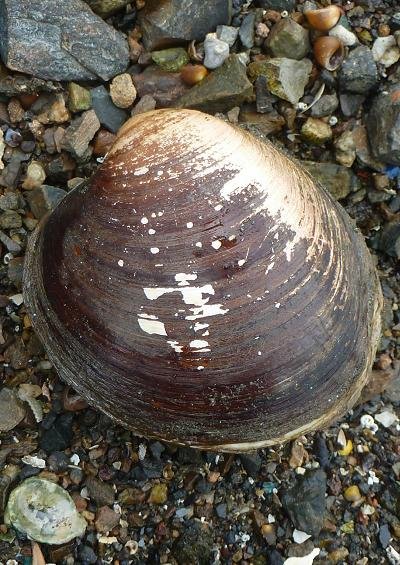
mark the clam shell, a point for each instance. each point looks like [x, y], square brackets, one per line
[203, 289]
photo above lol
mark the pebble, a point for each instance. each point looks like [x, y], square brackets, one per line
[80, 133]
[346, 36]
[345, 149]
[305, 502]
[316, 131]
[44, 199]
[15, 110]
[286, 78]
[171, 60]
[44, 511]
[9, 200]
[79, 98]
[305, 560]
[352, 493]
[338, 180]
[107, 113]
[67, 42]
[102, 493]
[389, 241]
[10, 219]
[163, 87]
[246, 30]
[177, 21]
[122, 91]
[384, 536]
[106, 8]
[103, 142]
[146, 104]
[358, 72]
[227, 34]
[35, 176]
[385, 51]
[106, 519]
[297, 455]
[350, 104]
[12, 411]
[59, 435]
[382, 125]
[221, 90]
[51, 109]
[278, 5]
[158, 494]
[300, 537]
[215, 51]
[288, 39]
[325, 106]
[386, 418]
[58, 462]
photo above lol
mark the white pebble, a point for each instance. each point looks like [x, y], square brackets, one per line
[120, 263]
[154, 250]
[216, 244]
[144, 220]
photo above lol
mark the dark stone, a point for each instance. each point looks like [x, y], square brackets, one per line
[389, 241]
[305, 502]
[102, 493]
[60, 41]
[194, 545]
[246, 31]
[174, 22]
[58, 462]
[384, 535]
[59, 436]
[383, 126]
[221, 90]
[44, 199]
[107, 113]
[288, 39]
[350, 104]
[87, 555]
[395, 21]
[325, 106]
[358, 72]
[251, 463]
[157, 449]
[28, 471]
[220, 510]
[321, 451]
[166, 88]
[264, 100]
[279, 5]
[274, 557]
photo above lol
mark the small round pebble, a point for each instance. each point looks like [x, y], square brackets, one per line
[123, 91]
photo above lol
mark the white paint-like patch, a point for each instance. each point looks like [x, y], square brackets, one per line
[288, 249]
[306, 560]
[141, 171]
[199, 244]
[183, 278]
[216, 244]
[151, 326]
[144, 220]
[218, 207]
[241, 262]
[277, 304]
[175, 346]
[270, 267]
[154, 250]
[258, 352]
[189, 225]
[198, 343]
[200, 367]
[151, 231]
[153, 215]
[120, 263]
[207, 310]
[199, 326]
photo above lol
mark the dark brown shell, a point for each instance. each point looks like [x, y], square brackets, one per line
[202, 289]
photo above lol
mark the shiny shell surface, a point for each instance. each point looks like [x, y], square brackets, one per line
[203, 289]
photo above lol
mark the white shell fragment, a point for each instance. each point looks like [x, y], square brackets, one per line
[44, 511]
[386, 418]
[306, 560]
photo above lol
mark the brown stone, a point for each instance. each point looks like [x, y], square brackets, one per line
[166, 88]
[15, 111]
[79, 134]
[103, 142]
[106, 519]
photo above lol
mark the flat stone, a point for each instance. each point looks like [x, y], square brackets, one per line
[102, 493]
[221, 90]
[363, 149]
[338, 180]
[215, 51]
[60, 41]
[122, 91]
[106, 519]
[288, 39]
[171, 60]
[358, 72]
[228, 34]
[108, 114]
[12, 411]
[145, 104]
[350, 104]
[383, 126]
[267, 123]
[35, 175]
[165, 88]
[44, 199]
[325, 106]
[79, 98]
[345, 149]
[286, 78]
[80, 133]
[174, 22]
[305, 502]
[246, 31]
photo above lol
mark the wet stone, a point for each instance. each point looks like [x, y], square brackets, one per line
[358, 72]
[228, 34]
[59, 436]
[221, 90]
[338, 180]
[44, 199]
[79, 98]
[288, 39]
[171, 60]
[71, 43]
[106, 519]
[163, 87]
[174, 22]
[350, 104]
[246, 31]
[102, 493]
[107, 113]
[305, 502]
[325, 106]
[80, 133]
[215, 51]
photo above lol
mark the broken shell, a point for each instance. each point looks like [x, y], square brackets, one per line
[44, 511]
[329, 52]
[203, 289]
[323, 19]
[192, 74]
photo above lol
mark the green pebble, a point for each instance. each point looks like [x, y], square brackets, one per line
[171, 60]
[79, 98]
